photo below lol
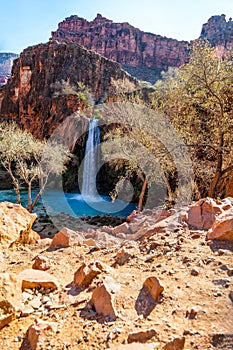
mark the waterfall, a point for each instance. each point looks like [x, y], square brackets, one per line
[91, 160]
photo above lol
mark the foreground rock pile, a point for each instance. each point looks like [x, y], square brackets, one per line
[168, 287]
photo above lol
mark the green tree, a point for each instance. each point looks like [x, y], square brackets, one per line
[197, 98]
[29, 160]
[148, 144]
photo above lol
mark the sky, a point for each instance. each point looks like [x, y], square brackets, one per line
[25, 23]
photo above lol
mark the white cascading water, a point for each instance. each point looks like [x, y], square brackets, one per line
[91, 160]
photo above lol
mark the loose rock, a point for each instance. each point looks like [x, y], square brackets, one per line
[35, 278]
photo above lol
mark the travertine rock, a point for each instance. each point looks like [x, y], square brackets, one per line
[122, 256]
[16, 225]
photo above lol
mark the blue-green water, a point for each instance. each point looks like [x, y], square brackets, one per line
[55, 202]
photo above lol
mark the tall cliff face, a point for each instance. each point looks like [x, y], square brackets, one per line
[6, 62]
[142, 54]
[218, 31]
[34, 94]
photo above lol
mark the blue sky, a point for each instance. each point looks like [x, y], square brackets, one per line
[28, 22]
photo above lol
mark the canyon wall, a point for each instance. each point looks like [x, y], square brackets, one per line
[218, 31]
[142, 54]
[42, 92]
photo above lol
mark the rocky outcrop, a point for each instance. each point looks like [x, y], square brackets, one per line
[143, 54]
[218, 31]
[6, 61]
[43, 89]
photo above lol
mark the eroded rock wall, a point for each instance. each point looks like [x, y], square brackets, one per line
[121, 42]
[31, 96]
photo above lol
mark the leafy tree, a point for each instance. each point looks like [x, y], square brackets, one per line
[148, 144]
[197, 98]
[28, 159]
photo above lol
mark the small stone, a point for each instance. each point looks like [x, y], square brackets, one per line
[122, 257]
[18, 339]
[141, 337]
[41, 263]
[35, 303]
[27, 310]
[86, 273]
[191, 314]
[35, 333]
[195, 272]
[175, 344]
[152, 284]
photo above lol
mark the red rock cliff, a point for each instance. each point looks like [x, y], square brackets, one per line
[30, 96]
[142, 54]
[218, 31]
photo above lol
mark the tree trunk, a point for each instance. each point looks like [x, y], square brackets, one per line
[15, 183]
[31, 207]
[29, 194]
[218, 173]
[142, 194]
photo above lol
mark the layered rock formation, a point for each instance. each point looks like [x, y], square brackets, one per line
[218, 31]
[43, 89]
[6, 61]
[142, 54]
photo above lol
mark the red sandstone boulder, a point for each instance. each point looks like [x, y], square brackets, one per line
[103, 298]
[222, 229]
[35, 332]
[34, 278]
[86, 273]
[203, 213]
[66, 238]
[154, 287]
